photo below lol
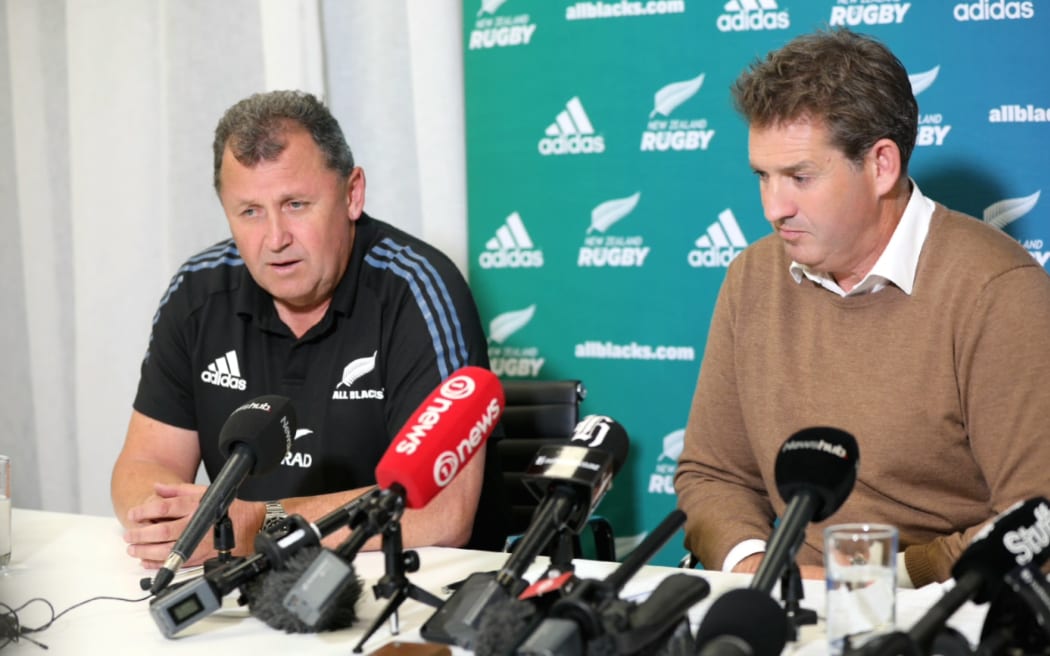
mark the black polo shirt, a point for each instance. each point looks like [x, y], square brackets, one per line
[401, 320]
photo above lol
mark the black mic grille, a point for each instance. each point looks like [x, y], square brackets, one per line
[821, 461]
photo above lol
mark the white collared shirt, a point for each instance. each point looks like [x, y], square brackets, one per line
[899, 260]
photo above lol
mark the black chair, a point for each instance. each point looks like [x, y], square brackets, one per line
[538, 413]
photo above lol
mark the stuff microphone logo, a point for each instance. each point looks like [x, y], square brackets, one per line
[1003, 213]
[722, 242]
[511, 248]
[748, 15]
[225, 371]
[994, 10]
[601, 250]
[932, 127]
[353, 372]
[571, 133]
[872, 12]
[1029, 541]
[508, 360]
[667, 133]
[661, 481]
[492, 31]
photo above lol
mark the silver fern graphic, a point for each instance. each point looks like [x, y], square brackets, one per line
[302, 432]
[1001, 214]
[922, 81]
[358, 368]
[612, 211]
[673, 443]
[509, 323]
[668, 98]
[490, 6]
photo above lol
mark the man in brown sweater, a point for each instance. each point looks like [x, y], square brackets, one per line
[921, 331]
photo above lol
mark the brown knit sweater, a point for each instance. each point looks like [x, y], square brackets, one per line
[947, 392]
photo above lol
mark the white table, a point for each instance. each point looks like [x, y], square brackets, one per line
[68, 558]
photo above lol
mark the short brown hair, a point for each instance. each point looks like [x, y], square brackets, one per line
[851, 82]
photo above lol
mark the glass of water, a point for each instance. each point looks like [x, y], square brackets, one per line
[860, 561]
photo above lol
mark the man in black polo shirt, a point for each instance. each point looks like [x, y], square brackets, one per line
[353, 319]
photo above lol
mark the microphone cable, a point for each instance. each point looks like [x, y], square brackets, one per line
[12, 629]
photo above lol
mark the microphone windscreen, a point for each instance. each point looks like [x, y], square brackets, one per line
[442, 435]
[1017, 537]
[266, 425]
[603, 433]
[748, 614]
[267, 592]
[821, 461]
[504, 625]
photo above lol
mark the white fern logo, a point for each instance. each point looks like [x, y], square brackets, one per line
[490, 6]
[1001, 214]
[357, 368]
[611, 211]
[922, 81]
[673, 444]
[509, 323]
[671, 96]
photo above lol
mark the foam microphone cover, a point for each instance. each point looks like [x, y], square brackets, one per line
[750, 615]
[266, 425]
[442, 435]
[820, 460]
[266, 593]
[504, 625]
[1017, 537]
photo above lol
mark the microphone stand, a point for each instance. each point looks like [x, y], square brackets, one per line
[394, 585]
[791, 592]
[224, 538]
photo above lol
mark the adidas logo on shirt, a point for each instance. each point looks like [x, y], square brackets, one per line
[722, 242]
[746, 15]
[225, 372]
[511, 248]
[571, 133]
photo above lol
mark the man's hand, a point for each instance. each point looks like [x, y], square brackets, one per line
[750, 565]
[157, 523]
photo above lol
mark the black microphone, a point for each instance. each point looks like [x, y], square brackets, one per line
[570, 480]
[1018, 537]
[815, 472]
[254, 439]
[1018, 619]
[743, 622]
[179, 607]
[576, 617]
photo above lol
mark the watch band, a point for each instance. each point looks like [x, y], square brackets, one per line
[275, 514]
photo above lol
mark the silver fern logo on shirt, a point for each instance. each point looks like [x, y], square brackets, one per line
[353, 372]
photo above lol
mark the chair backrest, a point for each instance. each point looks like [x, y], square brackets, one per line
[537, 412]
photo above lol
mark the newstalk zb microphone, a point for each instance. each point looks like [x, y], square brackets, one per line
[254, 439]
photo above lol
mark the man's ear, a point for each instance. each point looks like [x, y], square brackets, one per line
[355, 193]
[886, 159]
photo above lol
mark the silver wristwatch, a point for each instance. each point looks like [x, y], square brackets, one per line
[275, 514]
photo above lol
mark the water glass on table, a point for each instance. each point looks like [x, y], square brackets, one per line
[861, 568]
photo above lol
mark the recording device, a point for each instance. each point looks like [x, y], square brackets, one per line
[815, 472]
[570, 480]
[435, 444]
[1017, 538]
[178, 607]
[254, 439]
[743, 622]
